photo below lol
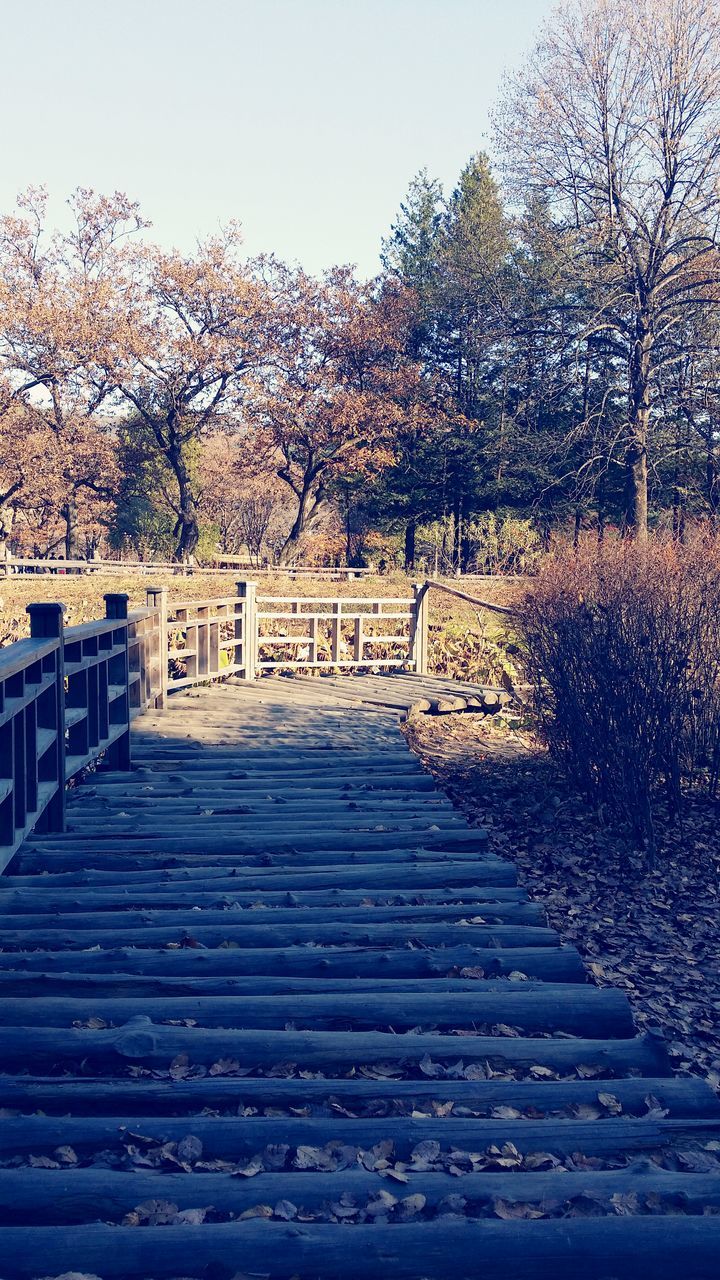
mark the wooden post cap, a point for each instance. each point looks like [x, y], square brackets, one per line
[116, 604]
[46, 619]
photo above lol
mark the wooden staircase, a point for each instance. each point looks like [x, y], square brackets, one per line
[270, 1007]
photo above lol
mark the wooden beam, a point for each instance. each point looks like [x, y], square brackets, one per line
[595, 1248]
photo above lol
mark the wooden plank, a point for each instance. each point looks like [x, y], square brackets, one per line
[78, 898]
[153, 1045]
[21, 654]
[263, 934]
[105, 789]
[581, 1011]
[242, 1137]
[688, 1097]
[65, 1196]
[556, 964]
[230, 845]
[422, 872]
[662, 1247]
[256, 912]
[322, 864]
[270, 821]
[89, 986]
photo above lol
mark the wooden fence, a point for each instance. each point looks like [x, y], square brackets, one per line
[221, 564]
[68, 695]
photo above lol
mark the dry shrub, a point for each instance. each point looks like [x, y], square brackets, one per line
[624, 655]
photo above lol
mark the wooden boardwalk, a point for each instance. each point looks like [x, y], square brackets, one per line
[270, 1007]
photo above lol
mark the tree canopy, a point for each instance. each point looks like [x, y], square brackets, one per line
[538, 354]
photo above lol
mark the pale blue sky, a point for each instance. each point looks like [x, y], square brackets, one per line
[304, 119]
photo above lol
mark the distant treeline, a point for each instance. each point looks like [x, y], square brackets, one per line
[538, 356]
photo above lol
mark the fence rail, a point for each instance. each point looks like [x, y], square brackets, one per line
[68, 695]
[221, 564]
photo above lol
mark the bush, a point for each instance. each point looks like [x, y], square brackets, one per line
[623, 649]
[503, 544]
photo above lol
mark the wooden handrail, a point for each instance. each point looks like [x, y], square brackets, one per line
[368, 601]
[20, 654]
[463, 595]
[89, 630]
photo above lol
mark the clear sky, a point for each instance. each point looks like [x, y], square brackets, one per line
[303, 119]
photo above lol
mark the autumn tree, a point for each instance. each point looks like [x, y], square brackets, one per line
[340, 390]
[240, 496]
[197, 327]
[20, 453]
[56, 319]
[614, 121]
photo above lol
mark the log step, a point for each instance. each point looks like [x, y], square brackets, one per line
[65, 1196]
[553, 964]
[535, 1098]
[240, 1138]
[588, 1011]
[155, 1045]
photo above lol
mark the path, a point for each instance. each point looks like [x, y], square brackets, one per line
[273, 971]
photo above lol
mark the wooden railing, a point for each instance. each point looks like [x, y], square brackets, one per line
[343, 632]
[68, 695]
[32, 781]
[207, 638]
[443, 587]
[221, 564]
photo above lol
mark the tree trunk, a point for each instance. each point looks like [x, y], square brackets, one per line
[290, 548]
[601, 510]
[636, 459]
[7, 519]
[577, 528]
[457, 533]
[308, 511]
[348, 528]
[69, 515]
[410, 532]
[682, 442]
[712, 478]
[187, 529]
[677, 510]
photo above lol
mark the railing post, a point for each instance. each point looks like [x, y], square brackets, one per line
[246, 591]
[156, 598]
[116, 607]
[313, 641]
[359, 639]
[46, 620]
[419, 634]
[335, 631]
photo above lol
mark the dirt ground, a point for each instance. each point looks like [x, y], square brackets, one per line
[654, 934]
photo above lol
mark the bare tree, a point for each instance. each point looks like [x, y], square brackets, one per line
[615, 121]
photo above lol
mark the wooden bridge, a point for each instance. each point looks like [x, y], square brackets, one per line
[270, 1007]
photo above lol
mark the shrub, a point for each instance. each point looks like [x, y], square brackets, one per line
[503, 544]
[623, 650]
